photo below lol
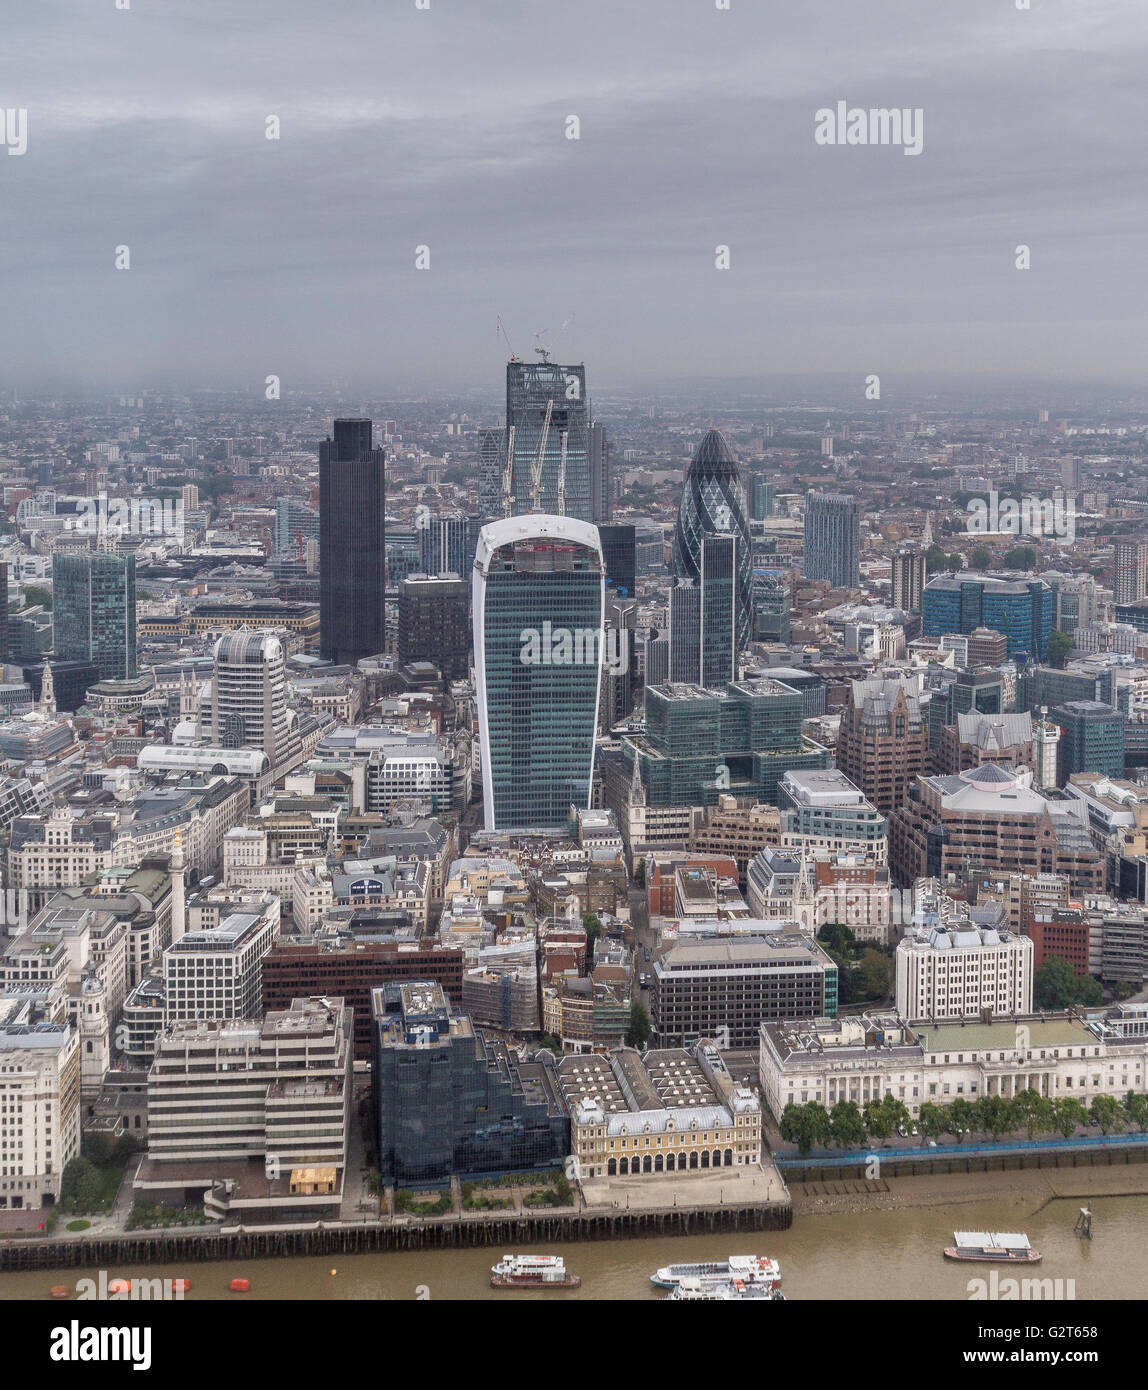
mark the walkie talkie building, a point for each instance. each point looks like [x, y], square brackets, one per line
[537, 597]
[713, 501]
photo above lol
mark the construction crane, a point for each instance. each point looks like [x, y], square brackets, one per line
[508, 475]
[543, 352]
[536, 466]
[562, 475]
[514, 357]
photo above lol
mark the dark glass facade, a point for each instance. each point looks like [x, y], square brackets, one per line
[352, 544]
[434, 624]
[451, 1101]
[619, 552]
[94, 611]
[1022, 609]
[832, 546]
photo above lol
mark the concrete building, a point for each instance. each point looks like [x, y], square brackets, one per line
[823, 810]
[39, 1099]
[251, 1115]
[960, 969]
[883, 743]
[217, 972]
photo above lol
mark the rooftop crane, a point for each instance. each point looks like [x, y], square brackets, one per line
[508, 474]
[514, 357]
[536, 466]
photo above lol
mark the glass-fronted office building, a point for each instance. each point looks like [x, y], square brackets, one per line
[94, 611]
[538, 595]
[548, 412]
[1023, 609]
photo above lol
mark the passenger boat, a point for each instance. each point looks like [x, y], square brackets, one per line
[532, 1272]
[1001, 1247]
[751, 1269]
[711, 1289]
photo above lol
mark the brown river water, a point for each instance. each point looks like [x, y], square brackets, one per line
[864, 1255]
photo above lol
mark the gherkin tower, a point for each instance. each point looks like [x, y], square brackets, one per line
[714, 502]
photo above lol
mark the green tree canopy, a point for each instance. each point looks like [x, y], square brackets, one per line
[1020, 557]
[981, 558]
[1069, 1115]
[1059, 645]
[808, 1126]
[847, 1125]
[1057, 986]
[1106, 1111]
[1033, 1112]
[932, 1119]
[638, 1033]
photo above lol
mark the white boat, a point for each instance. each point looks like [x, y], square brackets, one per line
[1000, 1247]
[750, 1269]
[716, 1289]
[532, 1272]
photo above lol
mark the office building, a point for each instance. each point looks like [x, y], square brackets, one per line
[909, 574]
[217, 972]
[40, 1093]
[94, 611]
[1022, 609]
[713, 503]
[296, 523]
[491, 467]
[771, 606]
[249, 694]
[883, 743]
[822, 810]
[832, 545]
[3, 612]
[548, 433]
[448, 1100]
[601, 481]
[620, 558]
[538, 595]
[352, 544]
[434, 623]
[959, 968]
[1130, 571]
[728, 986]
[446, 545]
[991, 818]
[761, 498]
[704, 616]
[250, 1115]
[1092, 738]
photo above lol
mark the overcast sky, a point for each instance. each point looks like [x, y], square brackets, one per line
[446, 128]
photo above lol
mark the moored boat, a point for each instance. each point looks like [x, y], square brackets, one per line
[718, 1289]
[1000, 1247]
[532, 1272]
[751, 1269]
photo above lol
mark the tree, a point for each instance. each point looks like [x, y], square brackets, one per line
[1034, 1112]
[846, 1125]
[1056, 985]
[837, 936]
[1059, 645]
[37, 597]
[876, 973]
[1068, 1116]
[806, 1126]
[877, 1120]
[1136, 1108]
[1106, 1112]
[80, 1185]
[961, 1116]
[932, 1119]
[592, 925]
[996, 1115]
[638, 1033]
[1020, 557]
[981, 558]
[897, 1113]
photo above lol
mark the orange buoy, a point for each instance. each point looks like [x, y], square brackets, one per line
[180, 1285]
[120, 1286]
[240, 1285]
[61, 1291]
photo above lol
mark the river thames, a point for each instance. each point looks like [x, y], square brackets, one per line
[881, 1254]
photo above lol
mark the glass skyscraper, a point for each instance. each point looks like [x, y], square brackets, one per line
[1023, 609]
[713, 502]
[547, 410]
[94, 611]
[703, 617]
[537, 600]
[832, 545]
[352, 544]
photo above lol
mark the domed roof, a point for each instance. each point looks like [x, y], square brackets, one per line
[713, 455]
[990, 777]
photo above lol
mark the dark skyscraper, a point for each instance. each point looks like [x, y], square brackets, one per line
[547, 424]
[600, 480]
[352, 544]
[703, 617]
[434, 623]
[3, 612]
[620, 555]
[713, 502]
[832, 546]
[94, 611]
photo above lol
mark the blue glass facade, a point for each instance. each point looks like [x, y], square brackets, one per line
[1024, 610]
[94, 611]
